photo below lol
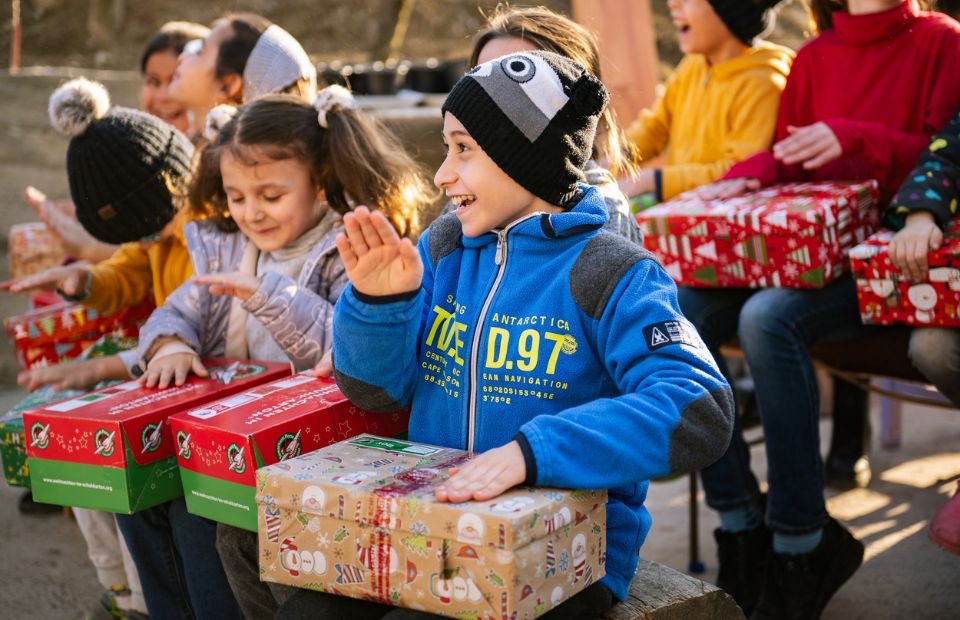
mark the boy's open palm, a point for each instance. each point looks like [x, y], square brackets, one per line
[377, 260]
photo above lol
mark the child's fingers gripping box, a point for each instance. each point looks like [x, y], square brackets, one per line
[112, 449]
[886, 295]
[791, 235]
[221, 444]
[359, 519]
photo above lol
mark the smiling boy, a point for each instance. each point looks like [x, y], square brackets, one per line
[522, 331]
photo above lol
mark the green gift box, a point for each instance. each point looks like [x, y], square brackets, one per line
[13, 451]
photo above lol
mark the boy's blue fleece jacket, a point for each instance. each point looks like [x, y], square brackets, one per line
[559, 330]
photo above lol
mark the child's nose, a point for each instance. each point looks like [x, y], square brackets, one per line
[445, 174]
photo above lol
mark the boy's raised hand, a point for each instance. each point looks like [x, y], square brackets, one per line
[909, 247]
[486, 476]
[377, 260]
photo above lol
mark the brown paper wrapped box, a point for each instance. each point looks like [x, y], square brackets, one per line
[358, 518]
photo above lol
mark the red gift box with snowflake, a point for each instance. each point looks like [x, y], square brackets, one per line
[887, 296]
[112, 449]
[791, 235]
[221, 444]
[60, 332]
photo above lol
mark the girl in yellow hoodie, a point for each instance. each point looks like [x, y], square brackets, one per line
[721, 103]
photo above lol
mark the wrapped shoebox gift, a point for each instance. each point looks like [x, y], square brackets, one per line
[52, 334]
[221, 444]
[112, 449]
[791, 235]
[359, 519]
[32, 248]
[13, 446]
[887, 296]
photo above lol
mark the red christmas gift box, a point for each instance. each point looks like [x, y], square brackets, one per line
[56, 333]
[887, 296]
[790, 235]
[33, 248]
[221, 444]
[112, 449]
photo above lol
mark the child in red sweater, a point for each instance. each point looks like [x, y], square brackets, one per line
[861, 102]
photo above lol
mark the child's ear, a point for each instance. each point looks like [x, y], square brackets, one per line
[231, 88]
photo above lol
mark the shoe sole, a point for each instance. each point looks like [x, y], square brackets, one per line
[840, 573]
[944, 544]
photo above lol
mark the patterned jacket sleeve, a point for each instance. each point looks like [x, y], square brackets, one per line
[182, 316]
[934, 185]
[299, 319]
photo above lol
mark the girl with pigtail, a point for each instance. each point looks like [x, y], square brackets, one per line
[273, 184]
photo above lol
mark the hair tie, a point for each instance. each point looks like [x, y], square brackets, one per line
[331, 99]
[216, 119]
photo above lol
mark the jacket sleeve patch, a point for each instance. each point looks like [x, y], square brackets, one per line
[665, 333]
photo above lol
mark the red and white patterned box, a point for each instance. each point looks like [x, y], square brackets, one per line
[791, 235]
[52, 334]
[887, 296]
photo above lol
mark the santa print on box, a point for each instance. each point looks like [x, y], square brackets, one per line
[791, 235]
[886, 296]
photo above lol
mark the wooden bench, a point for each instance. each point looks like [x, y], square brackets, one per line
[661, 593]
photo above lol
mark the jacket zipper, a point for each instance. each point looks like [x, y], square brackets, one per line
[500, 259]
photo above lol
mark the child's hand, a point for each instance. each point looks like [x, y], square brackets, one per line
[812, 146]
[643, 182]
[486, 476]
[324, 367]
[240, 285]
[83, 375]
[729, 188]
[172, 369]
[909, 247]
[71, 279]
[61, 218]
[377, 260]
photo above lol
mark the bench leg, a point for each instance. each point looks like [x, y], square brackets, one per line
[695, 565]
[890, 410]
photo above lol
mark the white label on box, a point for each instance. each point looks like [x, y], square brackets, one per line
[95, 397]
[294, 381]
[205, 413]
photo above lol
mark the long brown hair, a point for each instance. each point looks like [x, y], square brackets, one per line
[561, 35]
[355, 160]
[821, 12]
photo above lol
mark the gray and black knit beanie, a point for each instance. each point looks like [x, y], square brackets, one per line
[120, 163]
[535, 115]
[745, 19]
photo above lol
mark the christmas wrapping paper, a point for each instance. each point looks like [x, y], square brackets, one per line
[112, 449]
[887, 296]
[221, 444]
[52, 334]
[792, 235]
[359, 519]
[32, 248]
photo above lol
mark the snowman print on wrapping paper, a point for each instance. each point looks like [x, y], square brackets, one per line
[579, 551]
[457, 589]
[514, 504]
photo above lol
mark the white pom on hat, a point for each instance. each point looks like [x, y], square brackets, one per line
[76, 104]
[331, 99]
[216, 119]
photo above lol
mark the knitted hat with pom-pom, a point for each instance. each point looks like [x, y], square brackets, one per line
[535, 115]
[123, 165]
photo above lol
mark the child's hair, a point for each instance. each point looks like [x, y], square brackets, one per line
[171, 37]
[355, 160]
[235, 51]
[821, 12]
[561, 35]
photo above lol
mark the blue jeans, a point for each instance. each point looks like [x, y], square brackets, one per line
[176, 556]
[776, 326]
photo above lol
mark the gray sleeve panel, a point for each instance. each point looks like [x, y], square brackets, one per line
[703, 433]
[364, 395]
[445, 234]
[599, 268]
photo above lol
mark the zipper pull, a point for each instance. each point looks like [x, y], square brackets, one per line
[501, 243]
